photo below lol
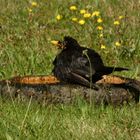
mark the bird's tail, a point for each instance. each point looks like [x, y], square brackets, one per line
[108, 70]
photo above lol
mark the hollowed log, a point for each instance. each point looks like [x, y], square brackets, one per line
[113, 90]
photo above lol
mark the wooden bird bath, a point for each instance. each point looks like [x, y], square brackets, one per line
[113, 90]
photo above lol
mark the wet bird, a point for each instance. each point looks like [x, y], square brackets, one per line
[80, 65]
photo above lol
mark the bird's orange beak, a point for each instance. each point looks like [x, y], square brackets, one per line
[59, 44]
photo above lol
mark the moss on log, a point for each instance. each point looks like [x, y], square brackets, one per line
[113, 90]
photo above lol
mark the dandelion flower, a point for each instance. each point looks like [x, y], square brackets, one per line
[87, 15]
[34, 4]
[116, 22]
[101, 35]
[74, 19]
[83, 11]
[99, 27]
[121, 17]
[99, 20]
[81, 22]
[30, 10]
[118, 44]
[58, 17]
[73, 8]
[103, 46]
[54, 42]
[95, 13]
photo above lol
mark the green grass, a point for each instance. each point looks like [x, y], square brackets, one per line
[26, 49]
[31, 121]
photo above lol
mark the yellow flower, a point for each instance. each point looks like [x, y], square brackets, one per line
[34, 4]
[99, 20]
[83, 11]
[81, 22]
[103, 46]
[95, 13]
[118, 44]
[116, 22]
[101, 35]
[54, 42]
[121, 17]
[74, 19]
[87, 15]
[30, 10]
[99, 27]
[58, 17]
[73, 8]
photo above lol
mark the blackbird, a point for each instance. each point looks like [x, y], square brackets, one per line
[79, 65]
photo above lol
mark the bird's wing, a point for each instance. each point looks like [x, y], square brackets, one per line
[81, 66]
[78, 79]
[80, 72]
[73, 74]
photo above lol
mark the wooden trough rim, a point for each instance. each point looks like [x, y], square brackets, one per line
[50, 79]
[113, 79]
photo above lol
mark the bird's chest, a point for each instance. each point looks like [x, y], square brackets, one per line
[64, 59]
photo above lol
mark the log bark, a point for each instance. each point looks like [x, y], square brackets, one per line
[112, 90]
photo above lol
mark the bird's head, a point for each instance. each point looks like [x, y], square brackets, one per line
[59, 44]
[68, 42]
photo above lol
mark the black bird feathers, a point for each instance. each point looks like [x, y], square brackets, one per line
[76, 64]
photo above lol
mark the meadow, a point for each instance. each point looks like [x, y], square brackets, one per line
[27, 30]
